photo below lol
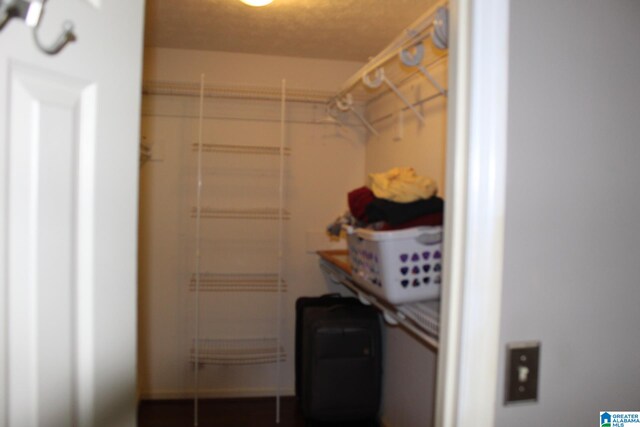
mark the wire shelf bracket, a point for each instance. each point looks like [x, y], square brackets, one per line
[409, 47]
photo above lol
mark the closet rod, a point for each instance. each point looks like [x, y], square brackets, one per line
[414, 34]
[254, 119]
[415, 104]
[250, 93]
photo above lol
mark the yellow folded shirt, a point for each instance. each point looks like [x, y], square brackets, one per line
[402, 185]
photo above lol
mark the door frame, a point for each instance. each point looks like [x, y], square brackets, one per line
[474, 225]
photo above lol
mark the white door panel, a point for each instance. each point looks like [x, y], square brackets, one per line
[68, 207]
[45, 121]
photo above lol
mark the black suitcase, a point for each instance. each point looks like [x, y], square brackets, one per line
[302, 304]
[341, 363]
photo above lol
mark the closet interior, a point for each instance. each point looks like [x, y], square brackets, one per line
[245, 159]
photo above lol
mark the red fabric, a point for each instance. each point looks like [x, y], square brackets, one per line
[431, 219]
[359, 199]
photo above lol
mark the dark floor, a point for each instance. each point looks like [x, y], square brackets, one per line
[255, 412]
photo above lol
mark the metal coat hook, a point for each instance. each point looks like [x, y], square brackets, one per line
[414, 60]
[346, 104]
[380, 77]
[31, 11]
[66, 36]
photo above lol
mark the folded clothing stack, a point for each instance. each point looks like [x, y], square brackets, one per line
[402, 185]
[397, 199]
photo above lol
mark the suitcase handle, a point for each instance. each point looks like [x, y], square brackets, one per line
[331, 295]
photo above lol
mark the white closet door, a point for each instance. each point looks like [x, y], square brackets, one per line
[68, 204]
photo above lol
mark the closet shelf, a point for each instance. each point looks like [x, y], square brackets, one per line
[241, 149]
[219, 282]
[425, 313]
[255, 93]
[252, 351]
[254, 213]
[377, 77]
[413, 35]
[420, 319]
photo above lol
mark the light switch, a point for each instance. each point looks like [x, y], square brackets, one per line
[522, 372]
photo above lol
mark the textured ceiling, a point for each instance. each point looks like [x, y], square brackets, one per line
[333, 29]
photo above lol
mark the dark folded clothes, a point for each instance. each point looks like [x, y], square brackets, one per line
[431, 220]
[399, 213]
[359, 199]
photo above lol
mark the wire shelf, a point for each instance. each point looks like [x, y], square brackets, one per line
[251, 351]
[426, 314]
[241, 149]
[419, 31]
[221, 282]
[422, 319]
[254, 213]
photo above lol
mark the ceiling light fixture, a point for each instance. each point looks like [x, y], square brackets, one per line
[257, 3]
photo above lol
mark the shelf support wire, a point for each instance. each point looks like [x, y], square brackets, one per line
[198, 244]
[283, 112]
[378, 78]
[346, 104]
[415, 60]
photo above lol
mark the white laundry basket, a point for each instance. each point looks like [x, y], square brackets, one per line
[399, 266]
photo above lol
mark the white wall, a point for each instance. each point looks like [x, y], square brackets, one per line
[326, 162]
[572, 241]
[246, 69]
[409, 367]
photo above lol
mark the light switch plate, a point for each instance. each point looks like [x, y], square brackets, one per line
[523, 366]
